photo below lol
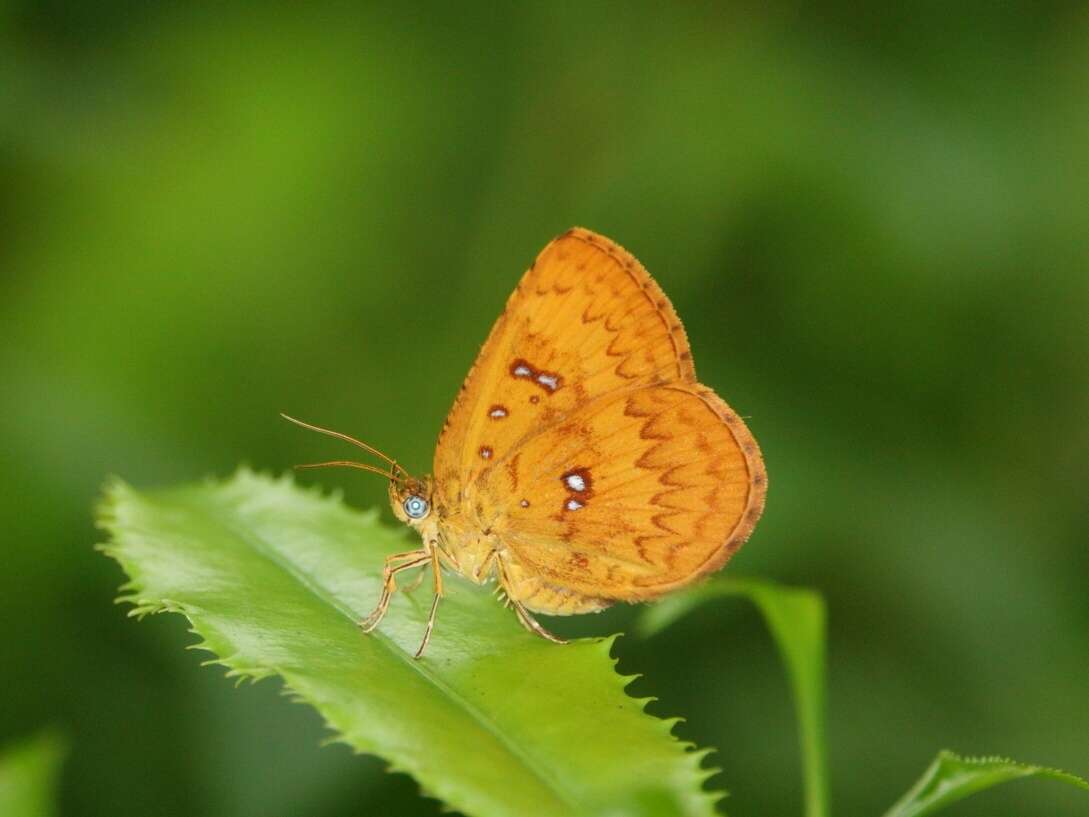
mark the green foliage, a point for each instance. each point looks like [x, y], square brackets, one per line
[493, 721]
[796, 618]
[28, 776]
[951, 778]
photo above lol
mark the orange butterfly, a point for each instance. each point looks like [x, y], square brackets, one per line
[582, 463]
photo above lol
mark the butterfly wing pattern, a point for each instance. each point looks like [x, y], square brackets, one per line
[582, 463]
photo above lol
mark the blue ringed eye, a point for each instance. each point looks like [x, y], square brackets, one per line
[416, 507]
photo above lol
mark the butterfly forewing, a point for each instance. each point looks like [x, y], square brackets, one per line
[583, 441]
[585, 319]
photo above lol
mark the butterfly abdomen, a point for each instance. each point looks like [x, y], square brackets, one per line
[542, 596]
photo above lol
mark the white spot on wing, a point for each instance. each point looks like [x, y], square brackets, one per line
[486, 453]
[549, 381]
[522, 371]
[573, 504]
[575, 482]
[498, 412]
[524, 503]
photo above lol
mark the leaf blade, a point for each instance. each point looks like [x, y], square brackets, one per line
[950, 778]
[492, 721]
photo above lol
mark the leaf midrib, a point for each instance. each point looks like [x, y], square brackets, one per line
[226, 517]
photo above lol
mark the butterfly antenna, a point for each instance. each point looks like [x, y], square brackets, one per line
[395, 471]
[349, 464]
[368, 448]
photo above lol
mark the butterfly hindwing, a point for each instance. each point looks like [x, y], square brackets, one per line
[638, 493]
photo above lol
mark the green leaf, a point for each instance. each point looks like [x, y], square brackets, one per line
[493, 720]
[951, 778]
[796, 618]
[28, 776]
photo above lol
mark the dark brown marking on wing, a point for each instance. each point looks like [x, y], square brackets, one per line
[512, 471]
[522, 369]
[579, 484]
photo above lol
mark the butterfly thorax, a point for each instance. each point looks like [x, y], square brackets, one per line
[463, 545]
[467, 549]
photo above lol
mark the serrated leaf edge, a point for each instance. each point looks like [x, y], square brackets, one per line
[106, 519]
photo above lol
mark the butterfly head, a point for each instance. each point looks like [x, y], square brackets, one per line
[411, 499]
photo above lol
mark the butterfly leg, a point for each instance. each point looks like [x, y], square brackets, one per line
[436, 544]
[394, 565]
[531, 624]
[437, 579]
[412, 585]
[525, 618]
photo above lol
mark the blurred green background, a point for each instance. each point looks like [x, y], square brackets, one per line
[872, 220]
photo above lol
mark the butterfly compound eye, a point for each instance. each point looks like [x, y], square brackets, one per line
[416, 507]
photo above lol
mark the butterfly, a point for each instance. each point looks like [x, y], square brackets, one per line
[582, 463]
